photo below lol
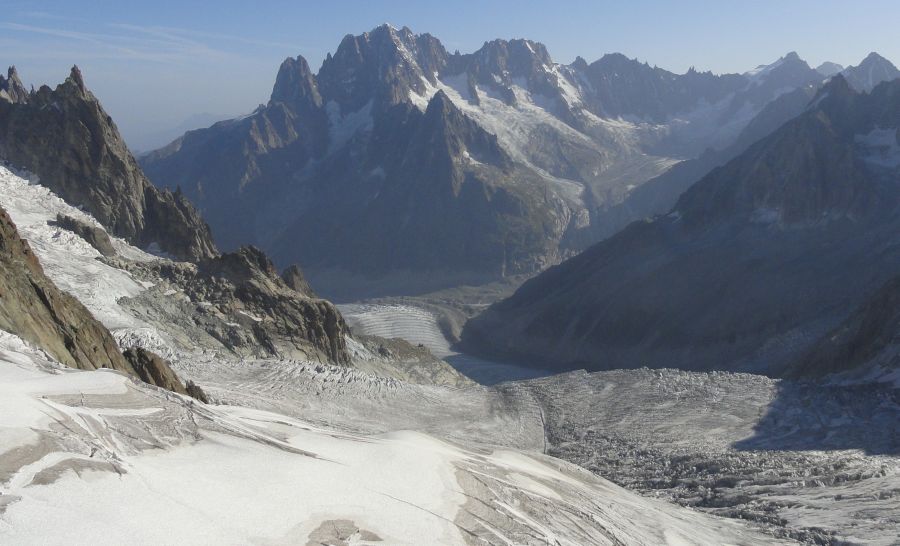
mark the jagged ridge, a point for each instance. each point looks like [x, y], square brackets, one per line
[66, 138]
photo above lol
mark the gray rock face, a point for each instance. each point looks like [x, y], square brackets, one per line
[295, 85]
[92, 234]
[240, 301]
[293, 277]
[756, 261]
[66, 138]
[11, 88]
[152, 369]
[367, 167]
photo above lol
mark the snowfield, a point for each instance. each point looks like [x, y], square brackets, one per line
[77, 444]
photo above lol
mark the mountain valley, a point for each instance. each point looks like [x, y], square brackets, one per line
[432, 297]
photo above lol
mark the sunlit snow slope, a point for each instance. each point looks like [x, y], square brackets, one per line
[106, 459]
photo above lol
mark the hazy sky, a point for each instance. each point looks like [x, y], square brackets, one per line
[154, 64]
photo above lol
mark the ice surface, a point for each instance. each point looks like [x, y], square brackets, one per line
[179, 472]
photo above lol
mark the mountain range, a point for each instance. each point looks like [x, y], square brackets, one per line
[756, 261]
[400, 158]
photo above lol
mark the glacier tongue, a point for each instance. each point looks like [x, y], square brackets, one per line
[177, 471]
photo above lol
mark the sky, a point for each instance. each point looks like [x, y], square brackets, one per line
[156, 65]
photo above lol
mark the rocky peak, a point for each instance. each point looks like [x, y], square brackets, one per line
[66, 138]
[11, 88]
[873, 70]
[440, 106]
[834, 95]
[294, 278]
[242, 265]
[76, 78]
[447, 135]
[507, 59]
[838, 86]
[623, 86]
[384, 66]
[579, 64]
[787, 70]
[244, 287]
[829, 69]
[767, 82]
[295, 85]
[616, 61]
[874, 58]
[805, 174]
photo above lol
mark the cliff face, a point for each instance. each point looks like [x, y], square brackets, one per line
[66, 138]
[246, 282]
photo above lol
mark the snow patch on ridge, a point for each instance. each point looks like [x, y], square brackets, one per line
[343, 127]
[881, 147]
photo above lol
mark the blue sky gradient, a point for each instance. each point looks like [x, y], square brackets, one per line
[155, 64]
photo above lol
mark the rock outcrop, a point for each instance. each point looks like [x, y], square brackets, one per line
[95, 236]
[153, 369]
[293, 277]
[240, 300]
[11, 88]
[66, 138]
